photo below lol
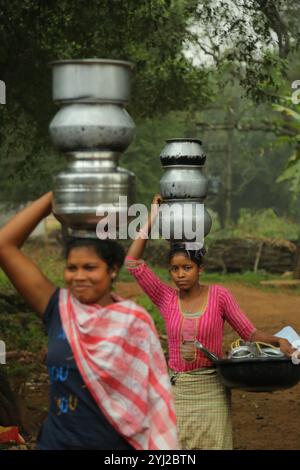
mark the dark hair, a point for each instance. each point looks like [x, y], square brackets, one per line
[108, 250]
[194, 255]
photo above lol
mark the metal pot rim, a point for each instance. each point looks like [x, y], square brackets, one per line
[198, 167]
[182, 139]
[92, 61]
[198, 200]
[252, 360]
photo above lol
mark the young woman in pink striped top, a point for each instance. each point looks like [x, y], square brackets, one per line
[195, 311]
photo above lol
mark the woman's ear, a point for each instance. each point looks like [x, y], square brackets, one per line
[114, 272]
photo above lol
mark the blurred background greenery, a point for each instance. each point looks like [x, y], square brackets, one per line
[205, 69]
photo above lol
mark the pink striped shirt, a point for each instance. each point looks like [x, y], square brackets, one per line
[208, 328]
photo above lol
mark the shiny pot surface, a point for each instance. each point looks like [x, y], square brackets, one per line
[91, 80]
[78, 194]
[99, 126]
[173, 216]
[183, 181]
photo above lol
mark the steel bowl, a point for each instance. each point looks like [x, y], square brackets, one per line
[240, 352]
[91, 80]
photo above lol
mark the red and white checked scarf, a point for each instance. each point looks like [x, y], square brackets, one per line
[118, 353]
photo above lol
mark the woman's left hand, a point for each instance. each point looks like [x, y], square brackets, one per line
[286, 347]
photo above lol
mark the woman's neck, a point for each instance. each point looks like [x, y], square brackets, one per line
[106, 299]
[191, 293]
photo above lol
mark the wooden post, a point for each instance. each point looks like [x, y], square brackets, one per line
[258, 255]
[296, 274]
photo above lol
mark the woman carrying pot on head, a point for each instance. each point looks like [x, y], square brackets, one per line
[192, 312]
[109, 385]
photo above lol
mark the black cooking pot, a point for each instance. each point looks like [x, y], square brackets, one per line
[255, 374]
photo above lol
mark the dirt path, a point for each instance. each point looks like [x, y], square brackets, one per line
[267, 420]
[261, 420]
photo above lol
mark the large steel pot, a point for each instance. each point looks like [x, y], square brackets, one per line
[255, 374]
[82, 189]
[91, 80]
[183, 181]
[183, 152]
[92, 126]
[182, 214]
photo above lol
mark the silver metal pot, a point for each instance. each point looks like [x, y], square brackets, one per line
[91, 80]
[174, 221]
[183, 152]
[81, 190]
[92, 126]
[183, 181]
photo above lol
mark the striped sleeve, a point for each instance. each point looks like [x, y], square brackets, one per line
[159, 292]
[234, 315]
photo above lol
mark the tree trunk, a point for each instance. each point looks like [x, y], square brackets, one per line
[228, 169]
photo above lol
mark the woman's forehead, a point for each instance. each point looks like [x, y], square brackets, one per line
[82, 253]
[180, 258]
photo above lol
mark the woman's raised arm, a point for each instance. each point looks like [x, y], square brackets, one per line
[24, 274]
[138, 245]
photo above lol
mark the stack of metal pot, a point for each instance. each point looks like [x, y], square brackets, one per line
[184, 185]
[93, 128]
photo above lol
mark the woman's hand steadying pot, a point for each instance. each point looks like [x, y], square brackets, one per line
[156, 202]
[285, 346]
[157, 199]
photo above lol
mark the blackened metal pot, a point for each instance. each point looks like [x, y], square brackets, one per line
[183, 152]
[255, 374]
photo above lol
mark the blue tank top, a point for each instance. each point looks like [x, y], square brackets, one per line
[74, 421]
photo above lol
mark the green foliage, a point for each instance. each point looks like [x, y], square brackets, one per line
[145, 302]
[4, 282]
[291, 123]
[241, 144]
[291, 174]
[246, 278]
[265, 223]
[254, 37]
[22, 331]
[161, 37]
[150, 34]
[262, 223]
